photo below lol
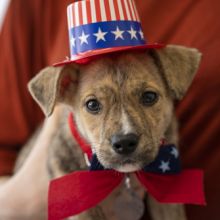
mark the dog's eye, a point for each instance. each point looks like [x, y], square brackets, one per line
[148, 98]
[93, 106]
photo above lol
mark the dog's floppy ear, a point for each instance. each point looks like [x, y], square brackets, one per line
[179, 65]
[52, 85]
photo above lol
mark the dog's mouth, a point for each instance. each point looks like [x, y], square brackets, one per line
[127, 165]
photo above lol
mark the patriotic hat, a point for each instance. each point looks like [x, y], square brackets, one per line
[98, 27]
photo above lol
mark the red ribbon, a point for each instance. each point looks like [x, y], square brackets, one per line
[81, 190]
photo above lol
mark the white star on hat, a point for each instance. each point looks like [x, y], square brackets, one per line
[141, 34]
[164, 166]
[118, 33]
[83, 38]
[100, 35]
[174, 152]
[73, 40]
[133, 33]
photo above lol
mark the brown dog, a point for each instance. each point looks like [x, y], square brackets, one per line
[123, 106]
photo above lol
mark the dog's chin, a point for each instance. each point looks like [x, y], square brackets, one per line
[127, 168]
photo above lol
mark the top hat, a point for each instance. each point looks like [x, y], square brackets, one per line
[99, 27]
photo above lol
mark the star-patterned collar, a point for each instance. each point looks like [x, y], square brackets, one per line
[165, 166]
[165, 163]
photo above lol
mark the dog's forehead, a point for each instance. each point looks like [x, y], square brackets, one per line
[120, 69]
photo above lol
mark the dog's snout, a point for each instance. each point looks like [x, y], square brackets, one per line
[124, 144]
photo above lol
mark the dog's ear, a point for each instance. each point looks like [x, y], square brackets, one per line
[178, 65]
[53, 85]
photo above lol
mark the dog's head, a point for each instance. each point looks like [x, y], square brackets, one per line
[123, 104]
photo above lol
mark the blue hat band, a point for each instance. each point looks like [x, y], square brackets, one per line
[102, 35]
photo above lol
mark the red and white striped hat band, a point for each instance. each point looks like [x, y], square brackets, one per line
[92, 11]
[103, 26]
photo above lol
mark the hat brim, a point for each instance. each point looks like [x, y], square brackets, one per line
[84, 58]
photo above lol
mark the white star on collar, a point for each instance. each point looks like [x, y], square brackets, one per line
[133, 33]
[164, 166]
[100, 35]
[118, 33]
[73, 41]
[174, 152]
[83, 38]
[141, 34]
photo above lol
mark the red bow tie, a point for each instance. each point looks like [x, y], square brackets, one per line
[81, 190]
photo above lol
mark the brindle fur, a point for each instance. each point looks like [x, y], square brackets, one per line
[117, 81]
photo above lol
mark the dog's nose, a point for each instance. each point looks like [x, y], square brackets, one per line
[124, 144]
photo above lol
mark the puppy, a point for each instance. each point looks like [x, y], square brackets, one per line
[123, 107]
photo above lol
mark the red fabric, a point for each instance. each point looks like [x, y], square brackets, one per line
[79, 191]
[186, 187]
[7, 158]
